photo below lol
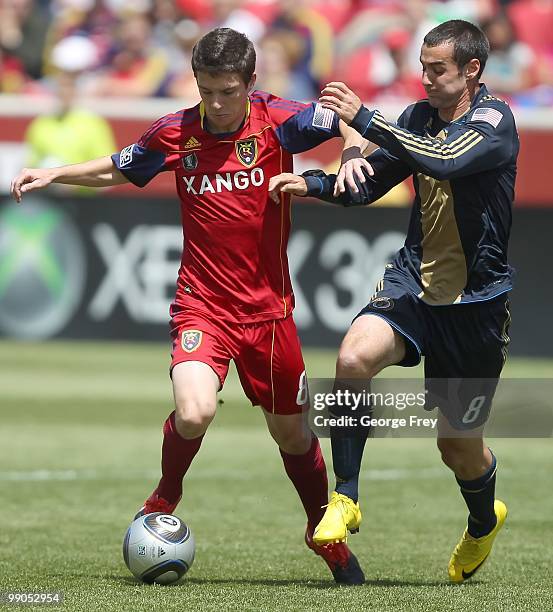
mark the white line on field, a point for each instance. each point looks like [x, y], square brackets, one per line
[39, 475]
[90, 474]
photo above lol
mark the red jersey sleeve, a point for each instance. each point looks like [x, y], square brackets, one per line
[298, 126]
[154, 152]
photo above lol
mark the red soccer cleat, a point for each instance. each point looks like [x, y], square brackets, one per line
[155, 503]
[341, 561]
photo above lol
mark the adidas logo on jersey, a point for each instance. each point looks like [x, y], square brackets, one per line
[192, 143]
[198, 185]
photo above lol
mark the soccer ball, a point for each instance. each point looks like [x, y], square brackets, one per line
[158, 548]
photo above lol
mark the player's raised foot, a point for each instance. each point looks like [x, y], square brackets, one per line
[341, 561]
[342, 515]
[470, 553]
[156, 503]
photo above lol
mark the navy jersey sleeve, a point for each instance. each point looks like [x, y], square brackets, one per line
[139, 164]
[389, 171]
[487, 140]
[308, 128]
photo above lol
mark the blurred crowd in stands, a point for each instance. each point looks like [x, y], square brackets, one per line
[130, 48]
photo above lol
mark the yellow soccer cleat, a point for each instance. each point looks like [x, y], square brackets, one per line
[470, 554]
[342, 515]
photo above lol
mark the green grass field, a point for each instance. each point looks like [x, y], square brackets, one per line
[80, 433]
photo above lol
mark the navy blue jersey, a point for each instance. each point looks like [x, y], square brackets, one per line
[464, 179]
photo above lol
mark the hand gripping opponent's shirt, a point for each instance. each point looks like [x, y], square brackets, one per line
[234, 261]
[464, 178]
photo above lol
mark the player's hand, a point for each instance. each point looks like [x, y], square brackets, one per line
[348, 171]
[29, 180]
[341, 99]
[287, 183]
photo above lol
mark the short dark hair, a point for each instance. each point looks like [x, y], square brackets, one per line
[469, 42]
[224, 50]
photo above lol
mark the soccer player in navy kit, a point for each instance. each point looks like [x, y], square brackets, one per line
[234, 296]
[444, 294]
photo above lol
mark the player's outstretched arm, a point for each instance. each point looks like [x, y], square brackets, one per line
[287, 183]
[487, 139]
[387, 171]
[317, 184]
[95, 173]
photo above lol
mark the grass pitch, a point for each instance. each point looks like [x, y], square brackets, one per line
[80, 433]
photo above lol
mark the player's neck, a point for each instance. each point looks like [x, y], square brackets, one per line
[462, 105]
[224, 129]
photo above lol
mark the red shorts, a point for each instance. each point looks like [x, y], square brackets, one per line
[267, 356]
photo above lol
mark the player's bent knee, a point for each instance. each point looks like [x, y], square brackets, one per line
[192, 426]
[370, 345]
[294, 440]
[353, 362]
[290, 432]
[192, 418]
[295, 444]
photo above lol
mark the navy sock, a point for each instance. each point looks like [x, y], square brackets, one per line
[348, 443]
[479, 495]
[346, 456]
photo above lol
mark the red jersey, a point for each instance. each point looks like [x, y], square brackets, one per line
[234, 261]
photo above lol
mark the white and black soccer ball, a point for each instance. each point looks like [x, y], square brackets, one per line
[158, 548]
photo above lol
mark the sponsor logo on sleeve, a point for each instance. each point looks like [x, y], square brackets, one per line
[125, 157]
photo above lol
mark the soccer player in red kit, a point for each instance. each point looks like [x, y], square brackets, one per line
[234, 296]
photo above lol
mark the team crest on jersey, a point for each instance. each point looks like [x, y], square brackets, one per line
[246, 151]
[190, 162]
[191, 340]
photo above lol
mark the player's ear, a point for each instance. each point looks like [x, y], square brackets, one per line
[472, 68]
[251, 84]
